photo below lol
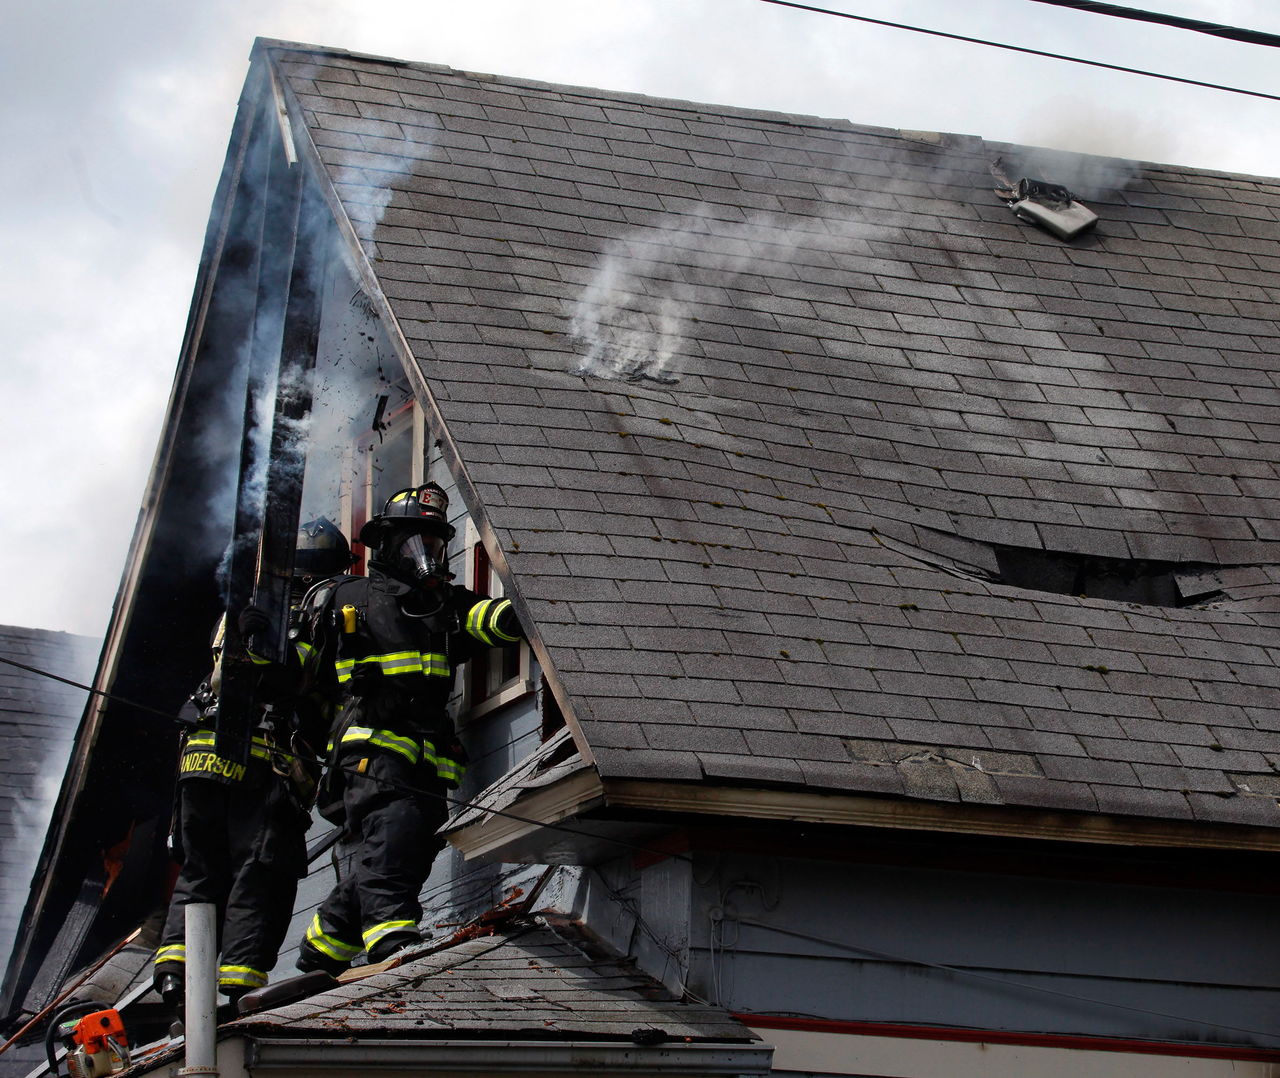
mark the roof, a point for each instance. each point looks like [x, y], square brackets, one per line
[763, 413]
[529, 983]
[38, 718]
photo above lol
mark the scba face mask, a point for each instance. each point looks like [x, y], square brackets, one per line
[422, 559]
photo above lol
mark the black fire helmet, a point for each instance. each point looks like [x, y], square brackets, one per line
[322, 550]
[414, 510]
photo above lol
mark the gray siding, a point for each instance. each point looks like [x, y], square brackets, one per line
[934, 947]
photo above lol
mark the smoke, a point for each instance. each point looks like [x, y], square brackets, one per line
[1097, 178]
[357, 369]
[1094, 147]
[280, 441]
[632, 321]
[366, 195]
[625, 330]
[278, 436]
[36, 758]
[28, 821]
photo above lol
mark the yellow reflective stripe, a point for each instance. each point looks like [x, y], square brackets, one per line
[241, 976]
[303, 650]
[318, 938]
[407, 747]
[445, 767]
[174, 952]
[477, 622]
[432, 664]
[402, 662]
[503, 606]
[450, 770]
[377, 932]
[256, 660]
[483, 618]
[202, 739]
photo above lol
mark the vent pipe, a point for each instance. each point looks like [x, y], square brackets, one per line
[1050, 205]
[201, 1012]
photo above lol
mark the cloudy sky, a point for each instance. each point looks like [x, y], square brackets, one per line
[115, 116]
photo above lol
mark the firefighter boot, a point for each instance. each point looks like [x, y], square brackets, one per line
[169, 987]
[309, 960]
[391, 946]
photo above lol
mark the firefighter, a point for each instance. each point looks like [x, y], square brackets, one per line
[393, 640]
[241, 828]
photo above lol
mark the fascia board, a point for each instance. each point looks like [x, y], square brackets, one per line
[584, 791]
[851, 810]
[576, 794]
[358, 262]
[569, 1059]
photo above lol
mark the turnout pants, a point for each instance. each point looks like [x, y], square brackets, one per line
[243, 849]
[375, 906]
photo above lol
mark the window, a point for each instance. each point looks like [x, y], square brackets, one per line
[495, 676]
[389, 456]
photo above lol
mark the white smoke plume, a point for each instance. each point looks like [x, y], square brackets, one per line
[631, 321]
[1087, 177]
[337, 386]
[1094, 146]
[28, 822]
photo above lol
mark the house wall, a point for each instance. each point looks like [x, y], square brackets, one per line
[1024, 953]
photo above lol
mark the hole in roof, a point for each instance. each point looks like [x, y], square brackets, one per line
[1121, 580]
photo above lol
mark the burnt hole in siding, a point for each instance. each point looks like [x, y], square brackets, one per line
[551, 715]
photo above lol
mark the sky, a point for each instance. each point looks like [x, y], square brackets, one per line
[115, 115]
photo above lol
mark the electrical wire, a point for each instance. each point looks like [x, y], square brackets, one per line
[1021, 49]
[884, 955]
[673, 956]
[90, 689]
[1001, 981]
[1181, 22]
[456, 802]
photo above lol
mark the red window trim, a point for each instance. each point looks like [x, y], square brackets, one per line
[1030, 1040]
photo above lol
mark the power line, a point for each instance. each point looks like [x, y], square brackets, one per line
[1003, 982]
[1214, 29]
[1021, 49]
[457, 802]
[89, 689]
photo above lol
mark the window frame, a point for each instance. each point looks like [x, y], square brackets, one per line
[359, 480]
[479, 577]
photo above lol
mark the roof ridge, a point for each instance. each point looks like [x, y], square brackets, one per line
[949, 139]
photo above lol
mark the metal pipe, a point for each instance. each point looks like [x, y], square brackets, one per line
[201, 1014]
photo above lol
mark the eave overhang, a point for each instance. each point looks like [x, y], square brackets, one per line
[582, 819]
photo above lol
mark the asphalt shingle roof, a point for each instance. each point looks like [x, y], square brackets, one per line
[749, 398]
[527, 983]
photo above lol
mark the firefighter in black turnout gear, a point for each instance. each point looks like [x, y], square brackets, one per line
[393, 640]
[241, 828]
